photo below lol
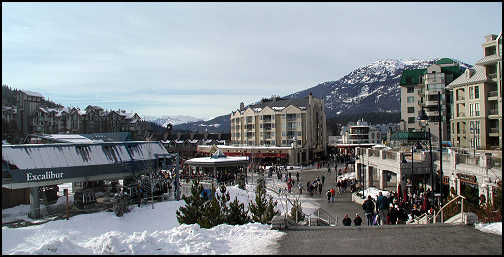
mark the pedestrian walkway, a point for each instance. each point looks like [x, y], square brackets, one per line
[431, 239]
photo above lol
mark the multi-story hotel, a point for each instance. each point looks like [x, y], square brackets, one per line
[419, 89]
[477, 100]
[295, 128]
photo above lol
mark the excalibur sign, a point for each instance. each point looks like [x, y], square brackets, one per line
[47, 176]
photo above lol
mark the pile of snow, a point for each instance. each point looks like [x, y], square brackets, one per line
[373, 192]
[347, 176]
[494, 228]
[141, 231]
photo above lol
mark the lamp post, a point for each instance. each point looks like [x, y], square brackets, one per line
[440, 151]
[423, 119]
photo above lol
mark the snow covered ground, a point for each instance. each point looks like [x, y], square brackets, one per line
[494, 228]
[141, 231]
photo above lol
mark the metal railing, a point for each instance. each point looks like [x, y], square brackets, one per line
[493, 93]
[390, 155]
[441, 211]
[493, 111]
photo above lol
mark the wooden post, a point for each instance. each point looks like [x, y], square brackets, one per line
[462, 211]
[67, 210]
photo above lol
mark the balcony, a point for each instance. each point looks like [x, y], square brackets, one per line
[431, 103]
[492, 75]
[493, 111]
[493, 94]
[493, 130]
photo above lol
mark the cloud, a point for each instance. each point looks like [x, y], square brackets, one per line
[216, 55]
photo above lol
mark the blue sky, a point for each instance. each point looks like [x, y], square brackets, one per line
[203, 59]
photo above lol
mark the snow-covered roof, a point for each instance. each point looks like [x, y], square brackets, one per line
[67, 138]
[228, 159]
[32, 93]
[278, 108]
[42, 156]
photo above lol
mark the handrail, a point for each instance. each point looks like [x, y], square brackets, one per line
[306, 215]
[442, 208]
[417, 219]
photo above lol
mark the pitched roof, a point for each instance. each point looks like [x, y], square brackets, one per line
[411, 76]
[476, 77]
[445, 61]
[489, 59]
[32, 93]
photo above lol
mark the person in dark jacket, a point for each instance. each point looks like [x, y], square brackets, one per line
[382, 208]
[394, 214]
[347, 221]
[357, 220]
[368, 206]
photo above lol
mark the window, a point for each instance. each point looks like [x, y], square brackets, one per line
[411, 99]
[471, 110]
[476, 109]
[411, 89]
[471, 93]
[411, 109]
[476, 92]
[411, 120]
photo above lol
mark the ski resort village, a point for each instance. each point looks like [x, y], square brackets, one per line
[203, 128]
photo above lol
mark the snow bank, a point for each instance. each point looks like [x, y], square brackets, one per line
[141, 231]
[494, 228]
[373, 192]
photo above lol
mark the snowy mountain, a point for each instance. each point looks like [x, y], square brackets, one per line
[174, 120]
[220, 124]
[370, 88]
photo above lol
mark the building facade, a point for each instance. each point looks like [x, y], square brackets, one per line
[420, 88]
[361, 133]
[477, 101]
[276, 122]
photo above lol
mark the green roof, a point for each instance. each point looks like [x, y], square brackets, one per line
[411, 77]
[455, 70]
[445, 61]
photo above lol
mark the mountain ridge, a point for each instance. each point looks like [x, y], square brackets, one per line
[369, 88]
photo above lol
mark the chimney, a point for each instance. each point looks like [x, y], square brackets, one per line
[310, 98]
[242, 106]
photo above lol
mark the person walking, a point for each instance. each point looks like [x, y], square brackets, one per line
[347, 221]
[357, 220]
[328, 194]
[368, 206]
[323, 179]
[382, 208]
[300, 187]
[333, 193]
[297, 176]
[320, 188]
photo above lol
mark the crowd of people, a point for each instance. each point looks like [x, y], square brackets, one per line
[396, 209]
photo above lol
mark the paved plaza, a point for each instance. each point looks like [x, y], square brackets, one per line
[389, 239]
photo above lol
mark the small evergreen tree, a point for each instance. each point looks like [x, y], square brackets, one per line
[193, 210]
[297, 208]
[237, 213]
[262, 210]
[212, 213]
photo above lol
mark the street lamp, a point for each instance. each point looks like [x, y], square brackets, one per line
[423, 119]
